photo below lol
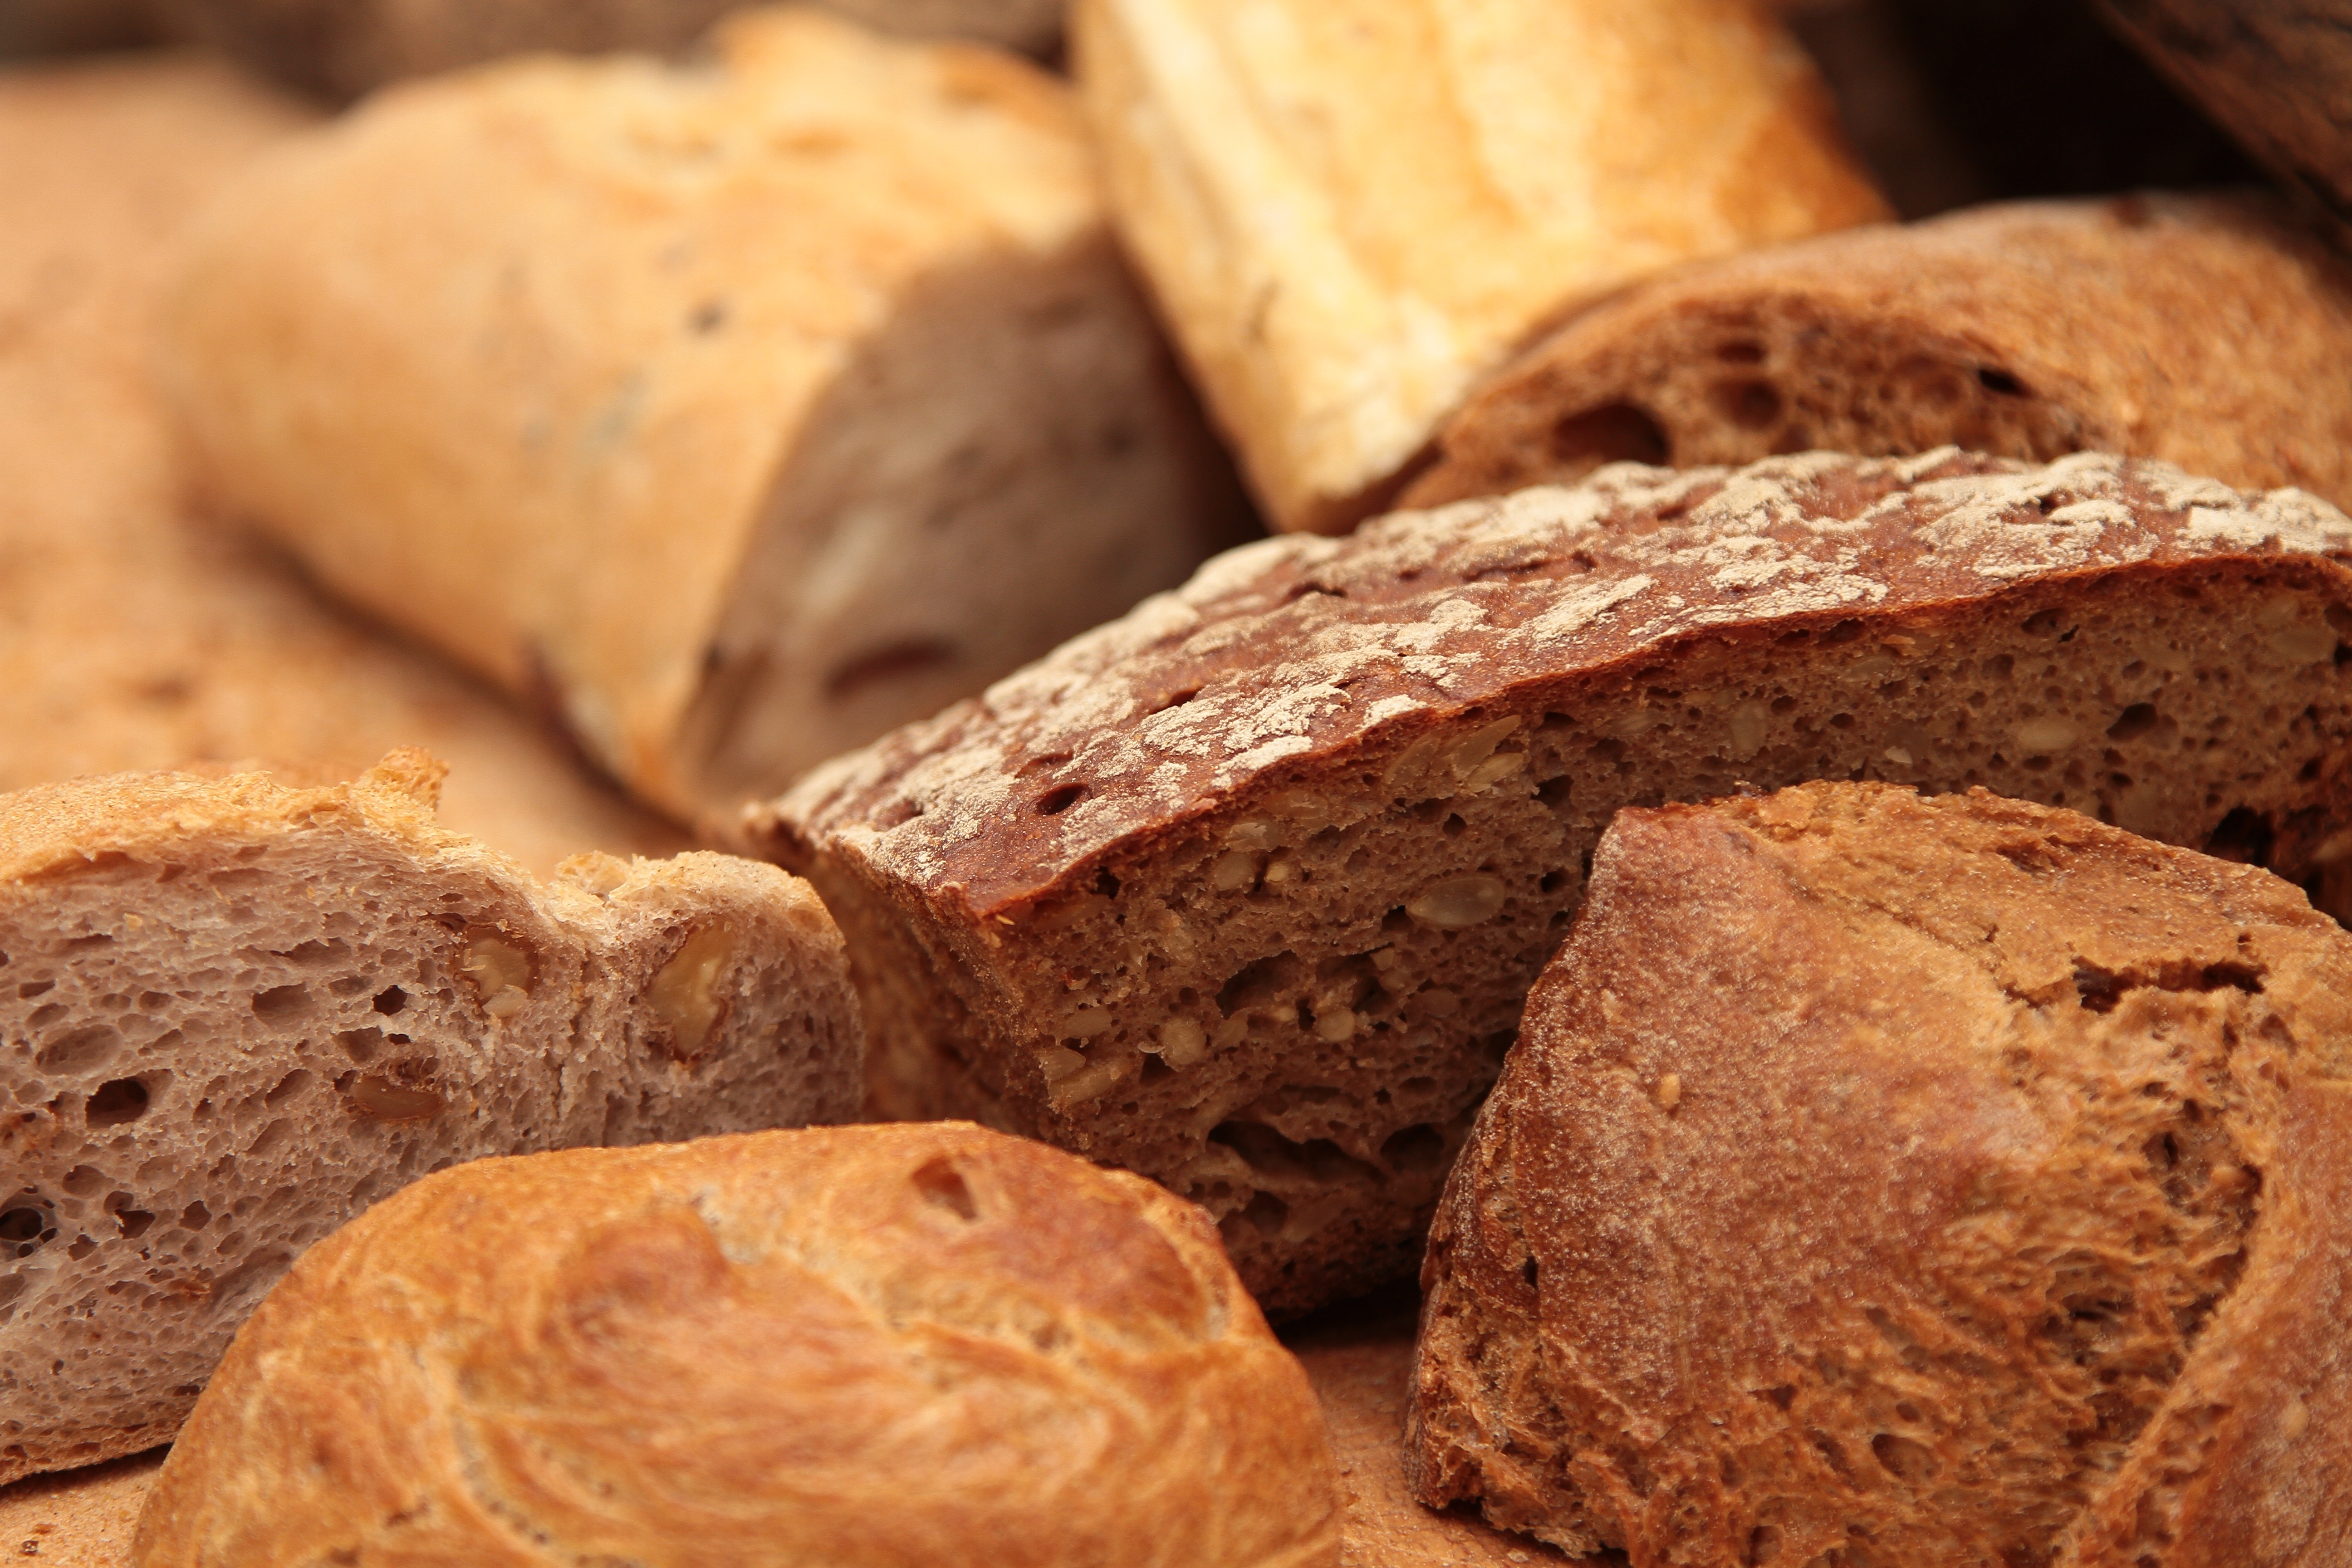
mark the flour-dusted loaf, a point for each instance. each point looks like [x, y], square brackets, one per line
[1245, 891]
[2205, 331]
[1908, 1181]
[234, 1012]
[1349, 211]
[341, 48]
[736, 412]
[865, 1347]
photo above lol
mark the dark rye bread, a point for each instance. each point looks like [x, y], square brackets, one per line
[2205, 331]
[1888, 1181]
[234, 1012]
[1245, 889]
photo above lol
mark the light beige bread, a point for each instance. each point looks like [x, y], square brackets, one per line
[79, 1519]
[862, 1346]
[1348, 211]
[341, 48]
[736, 413]
[234, 1014]
[1245, 891]
[128, 636]
[1908, 1181]
[2204, 330]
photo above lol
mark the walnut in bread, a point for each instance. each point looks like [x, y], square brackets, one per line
[2205, 331]
[1894, 1180]
[234, 1014]
[1245, 891]
[1349, 212]
[735, 412]
[855, 1346]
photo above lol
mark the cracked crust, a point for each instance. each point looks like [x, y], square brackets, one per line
[1245, 891]
[1954, 1176]
[869, 1345]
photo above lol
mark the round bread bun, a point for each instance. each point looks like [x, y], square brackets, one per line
[902, 1345]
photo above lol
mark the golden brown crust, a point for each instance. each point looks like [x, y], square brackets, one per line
[1954, 1175]
[2200, 330]
[1347, 211]
[866, 1345]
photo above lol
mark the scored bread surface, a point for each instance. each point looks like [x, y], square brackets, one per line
[1957, 1177]
[233, 1014]
[868, 1347]
[1245, 891]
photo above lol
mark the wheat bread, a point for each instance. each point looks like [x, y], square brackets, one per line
[1881, 1179]
[78, 1518]
[856, 1346]
[131, 636]
[734, 413]
[234, 1012]
[1245, 891]
[2204, 330]
[1348, 211]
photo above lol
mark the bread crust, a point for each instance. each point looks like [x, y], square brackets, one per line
[1348, 211]
[2028, 330]
[1245, 891]
[1957, 1175]
[871, 1345]
[233, 1013]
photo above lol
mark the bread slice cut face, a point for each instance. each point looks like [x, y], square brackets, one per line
[1245, 891]
[234, 1014]
[1955, 1175]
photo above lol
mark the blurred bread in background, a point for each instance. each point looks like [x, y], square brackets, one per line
[2206, 330]
[736, 414]
[1348, 211]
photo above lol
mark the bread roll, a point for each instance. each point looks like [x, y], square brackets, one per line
[854, 1347]
[1348, 211]
[341, 48]
[1892, 1180]
[735, 413]
[128, 636]
[1245, 891]
[235, 1013]
[2205, 331]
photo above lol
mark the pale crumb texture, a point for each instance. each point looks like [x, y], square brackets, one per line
[234, 1014]
[1245, 891]
[865, 1347]
[2001, 1219]
[79, 1519]
[2024, 328]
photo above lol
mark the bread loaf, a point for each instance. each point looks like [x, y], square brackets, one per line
[2204, 330]
[1915, 1181]
[1349, 212]
[854, 1347]
[1245, 891]
[234, 1014]
[130, 637]
[734, 413]
[340, 48]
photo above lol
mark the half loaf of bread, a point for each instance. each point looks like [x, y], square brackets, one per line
[1245, 891]
[2206, 330]
[737, 413]
[1960, 1178]
[864, 1347]
[1348, 211]
[234, 1014]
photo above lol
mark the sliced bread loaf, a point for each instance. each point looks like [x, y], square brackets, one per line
[1891, 1180]
[1245, 891]
[233, 1014]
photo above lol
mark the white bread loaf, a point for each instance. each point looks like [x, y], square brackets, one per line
[233, 1014]
[737, 413]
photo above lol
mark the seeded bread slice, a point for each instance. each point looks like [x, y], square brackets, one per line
[2204, 330]
[1245, 891]
[1958, 1177]
[233, 1014]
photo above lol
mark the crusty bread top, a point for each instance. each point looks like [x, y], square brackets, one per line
[1285, 649]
